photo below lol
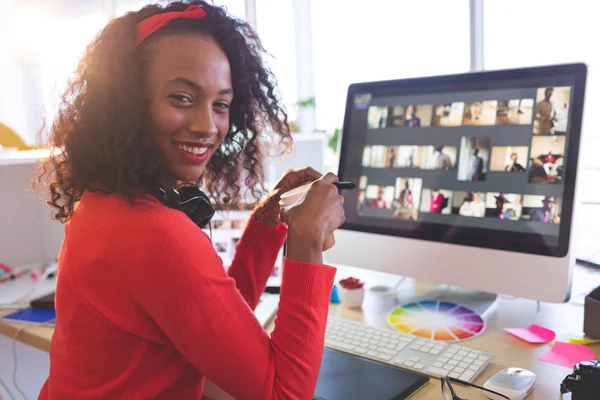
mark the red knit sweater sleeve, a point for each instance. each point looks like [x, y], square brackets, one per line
[188, 294]
[254, 260]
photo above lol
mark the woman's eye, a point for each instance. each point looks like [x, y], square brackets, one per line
[181, 98]
[223, 105]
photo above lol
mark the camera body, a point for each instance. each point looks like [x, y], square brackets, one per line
[584, 382]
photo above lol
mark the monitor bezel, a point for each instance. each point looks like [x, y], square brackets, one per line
[479, 237]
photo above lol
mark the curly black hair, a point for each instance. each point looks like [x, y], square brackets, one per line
[100, 136]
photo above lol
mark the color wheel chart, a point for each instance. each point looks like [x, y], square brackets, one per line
[437, 320]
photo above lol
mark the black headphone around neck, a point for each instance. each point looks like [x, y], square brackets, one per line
[190, 200]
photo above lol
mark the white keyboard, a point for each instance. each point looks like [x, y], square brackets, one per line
[400, 350]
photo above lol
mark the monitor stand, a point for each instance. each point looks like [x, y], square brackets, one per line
[408, 290]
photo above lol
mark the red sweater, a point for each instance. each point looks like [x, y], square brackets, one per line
[145, 310]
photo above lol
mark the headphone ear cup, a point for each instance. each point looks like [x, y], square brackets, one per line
[196, 205]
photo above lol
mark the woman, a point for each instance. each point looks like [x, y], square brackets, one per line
[145, 308]
[502, 210]
[412, 120]
[436, 201]
[472, 205]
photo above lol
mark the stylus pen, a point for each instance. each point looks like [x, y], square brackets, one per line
[345, 185]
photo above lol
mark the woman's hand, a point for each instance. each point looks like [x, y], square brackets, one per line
[310, 222]
[268, 211]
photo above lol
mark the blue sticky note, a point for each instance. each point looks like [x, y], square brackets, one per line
[335, 298]
[29, 315]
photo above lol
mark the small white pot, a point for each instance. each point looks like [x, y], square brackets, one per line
[351, 298]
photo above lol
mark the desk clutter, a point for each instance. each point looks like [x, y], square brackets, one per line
[32, 316]
[437, 320]
[422, 334]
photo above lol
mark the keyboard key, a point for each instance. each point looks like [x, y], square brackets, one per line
[406, 339]
[361, 350]
[399, 361]
[386, 334]
[434, 352]
[390, 346]
[462, 353]
[373, 347]
[394, 342]
[467, 375]
[454, 375]
[372, 353]
[478, 363]
[355, 343]
[340, 345]
[482, 358]
[415, 347]
[469, 360]
[463, 365]
[452, 350]
[473, 367]
[418, 366]
[457, 358]
[453, 362]
[443, 359]
[388, 351]
[476, 351]
[384, 340]
[437, 371]
[409, 363]
[421, 342]
[459, 370]
[439, 347]
[400, 346]
[414, 359]
[385, 357]
[438, 364]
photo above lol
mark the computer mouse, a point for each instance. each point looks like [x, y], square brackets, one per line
[515, 383]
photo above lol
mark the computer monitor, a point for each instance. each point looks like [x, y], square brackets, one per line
[467, 180]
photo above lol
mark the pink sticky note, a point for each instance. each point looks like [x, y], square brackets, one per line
[533, 334]
[567, 354]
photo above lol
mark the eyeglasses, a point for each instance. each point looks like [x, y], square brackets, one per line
[449, 394]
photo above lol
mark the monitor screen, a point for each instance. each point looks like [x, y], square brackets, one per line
[485, 159]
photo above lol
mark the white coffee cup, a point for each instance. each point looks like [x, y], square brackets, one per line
[296, 196]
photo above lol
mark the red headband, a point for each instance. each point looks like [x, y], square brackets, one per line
[150, 25]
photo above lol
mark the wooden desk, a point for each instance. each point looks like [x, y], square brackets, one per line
[510, 351]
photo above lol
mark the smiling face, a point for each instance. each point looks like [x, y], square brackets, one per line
[190, 92]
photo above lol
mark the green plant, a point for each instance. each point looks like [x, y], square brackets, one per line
[334, 139]
[311, 102]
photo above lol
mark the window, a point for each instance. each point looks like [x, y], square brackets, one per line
[275, 27]
[64, 45]
[356, 41]
[45, 44]
[538, 32]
